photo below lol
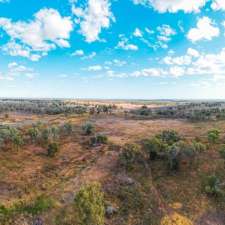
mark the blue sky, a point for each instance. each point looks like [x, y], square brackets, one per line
[146, 49]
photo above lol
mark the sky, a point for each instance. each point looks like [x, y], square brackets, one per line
[113, 49]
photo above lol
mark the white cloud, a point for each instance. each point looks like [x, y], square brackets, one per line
[205, 30]
[218, 5]
[173, 6]
[125, 45]
[165, 35]
[79, 52]
[37, 37]
[148, 72]
[17, 70]
[193, 63]
[177, 71]
[94, 68]
[193, 52]
[137, 33]
[14, 49]
[182, 60]
[116, 62]
[92, 19]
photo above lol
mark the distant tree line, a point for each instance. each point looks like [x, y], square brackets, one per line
[51, 107]
[192, 111]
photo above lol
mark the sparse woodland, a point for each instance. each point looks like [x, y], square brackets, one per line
[67, 163]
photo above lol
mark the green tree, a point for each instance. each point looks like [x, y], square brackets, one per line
[153, 147]
[169, 137]
[89, 204]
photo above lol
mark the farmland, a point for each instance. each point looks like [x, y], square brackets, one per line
[113, 162]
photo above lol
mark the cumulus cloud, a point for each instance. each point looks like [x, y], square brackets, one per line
[218, 5]
[192, 52]
[36, 38]
[193, 63]
[205, 30]
[173, 6]
[93, 18]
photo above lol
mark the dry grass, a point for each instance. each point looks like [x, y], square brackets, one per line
[28, 172]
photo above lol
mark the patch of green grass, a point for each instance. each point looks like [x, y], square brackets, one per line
[38, 206]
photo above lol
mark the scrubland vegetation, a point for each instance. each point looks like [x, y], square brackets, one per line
[67, 163]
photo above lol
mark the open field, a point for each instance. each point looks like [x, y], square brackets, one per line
[38, 187]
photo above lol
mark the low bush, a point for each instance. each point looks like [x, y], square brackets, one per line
[173, 158]
[198, 146]
[169, 137]
[181, 153]
[89, 205]
[175, 219]
[37, 206]
[53, 148]
[88, 129]
[213, 136]
[12, 136]
[211, 186]
[222, 151]
[33, 133]
[131, 156]
[153, 147]
[98, 140]
[67, 128]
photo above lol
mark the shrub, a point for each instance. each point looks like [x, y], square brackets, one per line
[39, 205]
[10, 135]
[153, 147]
[169, 137]
[180, 152]
[67, 128]
[53, 148]
[213, 135]
[212, 186]
[198, 146]
[102, 139]
[130, 156]
[89, 203]
[88, 129]
[54, 133]
[33, 133]
[222, 151]
[45, 134]
[131, 197]
[173, 157]
[16, 138]
[98, 140]
[175, 219]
